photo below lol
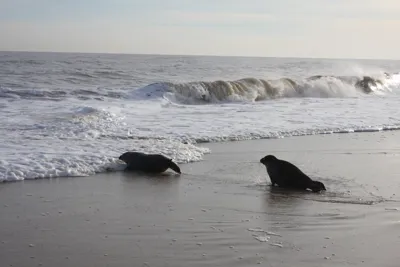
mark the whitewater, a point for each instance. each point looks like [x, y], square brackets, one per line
[67, 115]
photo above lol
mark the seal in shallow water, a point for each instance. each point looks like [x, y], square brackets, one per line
[285, 174]
[151, 163]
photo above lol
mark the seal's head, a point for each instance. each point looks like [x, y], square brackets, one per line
[316, 186]
[173, 166]
[124, 157]
[267, 159]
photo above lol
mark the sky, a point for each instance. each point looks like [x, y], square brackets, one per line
[280, 28]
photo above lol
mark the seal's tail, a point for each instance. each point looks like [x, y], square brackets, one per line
[174, 167]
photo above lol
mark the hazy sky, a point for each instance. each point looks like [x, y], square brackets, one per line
[299, 28]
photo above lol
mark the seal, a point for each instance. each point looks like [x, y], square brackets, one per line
[287, 175]
[150, 163]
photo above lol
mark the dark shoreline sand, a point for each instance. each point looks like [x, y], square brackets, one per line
[209, 216]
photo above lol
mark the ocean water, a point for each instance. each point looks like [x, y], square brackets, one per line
[74, 114]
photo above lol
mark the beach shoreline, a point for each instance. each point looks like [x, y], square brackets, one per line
[220, 212]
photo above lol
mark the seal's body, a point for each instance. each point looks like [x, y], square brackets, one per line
[287, 175]
[151, 163]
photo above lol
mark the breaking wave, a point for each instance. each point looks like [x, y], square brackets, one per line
[203, 92]
[252, 89]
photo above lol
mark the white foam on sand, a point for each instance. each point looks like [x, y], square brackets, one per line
[265, 237]
[94, 157]
[77, 141]
[263, 231]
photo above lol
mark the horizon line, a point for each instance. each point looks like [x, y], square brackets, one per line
[190, 55]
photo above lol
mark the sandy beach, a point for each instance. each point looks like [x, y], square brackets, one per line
[219, 212]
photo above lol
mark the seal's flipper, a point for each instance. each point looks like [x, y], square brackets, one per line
[174, 167]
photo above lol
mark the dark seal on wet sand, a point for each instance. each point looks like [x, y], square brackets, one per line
[150, 163]
[287, 175]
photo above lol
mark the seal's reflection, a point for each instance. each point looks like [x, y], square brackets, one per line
[166, 178]
[285, 208]
[148, 189]
[282, 197]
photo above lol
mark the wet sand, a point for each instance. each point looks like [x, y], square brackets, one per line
[219, 212]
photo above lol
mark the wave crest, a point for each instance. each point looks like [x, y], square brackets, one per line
[252, 89]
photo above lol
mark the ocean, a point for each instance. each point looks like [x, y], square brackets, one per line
[68, 115]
